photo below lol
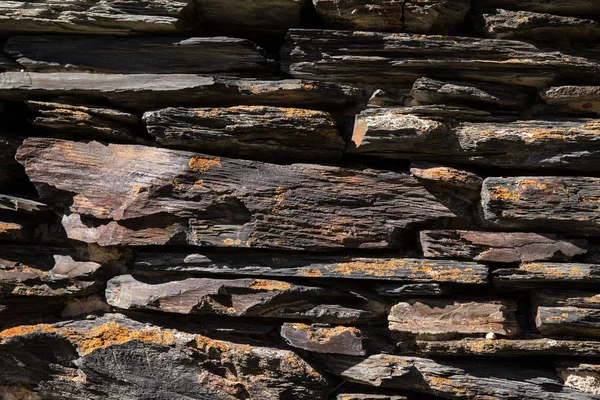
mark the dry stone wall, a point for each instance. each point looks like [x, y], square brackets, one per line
[295, 199]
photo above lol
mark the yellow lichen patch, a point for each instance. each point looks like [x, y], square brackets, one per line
[311, 272]
[279, 198]
[324, 335]
[177, 184]
[502, 193]
[23, 330]
[538, 268]
[301, 113]
[7, 227]
[231, 242]
[111, 333]
[205, 344]
[202, 164]
[264, 284]
[198, 184]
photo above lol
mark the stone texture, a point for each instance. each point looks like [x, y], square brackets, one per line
[398, 133]
[568, 321]
[453, 380]
[547, 274]
[272, 134]
[582, 99]
[324, 339]
[240, 298]
[417, 16]
[409, 290]
[445, 318]
[384, 59]
[107, 17]
[567, 298]
[471, 94]
[580, 376]
[149, 91]
[39, 271]
[507, 347]
[154, 55]
[311, 266]
[100, 359]
[500, 247]
[575, 8]
[181, 197]
[542, 203]
[84, 121]
[525, 25]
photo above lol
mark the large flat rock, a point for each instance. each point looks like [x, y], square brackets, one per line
[416, 134]
[312, 266]
[557, 203]
[540, 274]
[500, 247]
[107, 17]
[420, 16]
[145, 195]
[452, 379]
[273, 134]
[240, 298]
[147, 55]
[115, 357]
[446, 318]
[385, 59]
[149, 91]
[540, 27]
[575, 8]
[582, 99]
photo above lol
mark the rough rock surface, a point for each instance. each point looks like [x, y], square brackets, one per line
[195, 55]
[222, 202]
[265, 133]
[299, 199]
[420, 16]
[376, 58]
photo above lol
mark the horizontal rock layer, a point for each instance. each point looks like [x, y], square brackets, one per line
[181, 197]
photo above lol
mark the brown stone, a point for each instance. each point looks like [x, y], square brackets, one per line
[446, 318]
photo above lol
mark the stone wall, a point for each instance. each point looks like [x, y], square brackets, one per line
[285, 199]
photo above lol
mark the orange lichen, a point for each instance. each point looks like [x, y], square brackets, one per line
[205, 344]
[417, 270]
[177, 184]
[550, 271]
[324, 335]
[311, 272]
[112, 333]
[198, 184]
[201, 164]
[22, 330]
[231, 242]
[7, 227]
[264, 284]
[501, 193]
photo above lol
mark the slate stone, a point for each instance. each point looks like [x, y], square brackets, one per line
[406, 133]
[181, 197]
[89, 353]
[543, 203]
[582, 99]
[147, 55]
[539, 27]
[574, 8]
[394, 60]
[109, 17]
[531, 275]
[417, 16]
[272, 134]
[239, 298]
[428, 272]
[500, 247]
[148, 91]
[447, 318]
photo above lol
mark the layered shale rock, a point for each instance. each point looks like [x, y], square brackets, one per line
[409, 133]
[437, 16]
[266, 133]
[107, 17]
[195, 55]
[222, 202]
[384, 59]
[148, 91]
[299, 199]
[87, 354]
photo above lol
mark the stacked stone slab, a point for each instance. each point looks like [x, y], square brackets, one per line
[294, 199]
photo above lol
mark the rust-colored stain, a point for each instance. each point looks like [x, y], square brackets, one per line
[324, 335]
[264, 284]
[202, 164]
[232, 242]
[310, 272]
[7, 227]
